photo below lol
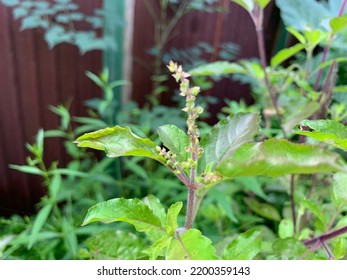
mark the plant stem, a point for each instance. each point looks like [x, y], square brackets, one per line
[257, 16]
[327, 49]
[190, 208]
[325, 237]
[292, 200]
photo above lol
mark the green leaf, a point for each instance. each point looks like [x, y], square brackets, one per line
[314, 37]
[118, 141]
[245, 247]
[40, 220]
[339, 190]
[175, 140]
[40, 141]
[10, 3]
[171, 218]
[116, 244]
[302, 14]
[246, 4]
[191, 246]
[33, 22]
[328, 131]
[158, 209]
[286, 229]
[303, 110]
[339, 250]
[338, 23]
[315, 209]
[132, 211]
[284, 54]
[69, 236]
[253, 185]
[27, 169]
[288, 249]
[19, 12]
[55, 185]
[262, 3]
[226, 137]
[280, 157]
[217, 68]
[158, 247]
[54, 35]
[263, 209]
[297, 35]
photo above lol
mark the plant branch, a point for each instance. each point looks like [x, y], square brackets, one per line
[325, 237]
[292, 200]
[257, 16]
[327, 49]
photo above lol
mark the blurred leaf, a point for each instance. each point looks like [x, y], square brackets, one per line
[224, 202]
[284, 54]
[286, 229]
[53, 35]
[338, 23]
[328, 131]
[175, 139]
[217, 68]
[27, 169]
[315, 209]
[299, 36]
[304, 110]
[263, 209]
[19, 12]
[132, 211]
[40, 141]
[118, 141]
[70, 237]
[191, 246]
[302, 14]
[96, 79]
[159, 246]
[252, 184]
[40, 220]
[262, 3]
[116, 244]
[171, 218]
[279, 157]
[248, 5]
[33, 22]
[339, 190]
[226, 137]
[288, 249]
[55, 185]
[340, 247]
[245, 247]
[10, 3]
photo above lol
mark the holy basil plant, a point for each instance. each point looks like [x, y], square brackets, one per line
[225, 153]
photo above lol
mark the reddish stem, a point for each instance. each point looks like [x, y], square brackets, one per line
[327, 49]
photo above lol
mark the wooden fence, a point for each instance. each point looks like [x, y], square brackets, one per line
[32, 77]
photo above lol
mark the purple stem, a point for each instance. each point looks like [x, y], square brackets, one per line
[327, 48]
[324, 237]
[257, 16]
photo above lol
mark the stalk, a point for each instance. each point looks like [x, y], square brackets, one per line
[327, 49]
[257, 17]
[193, 200]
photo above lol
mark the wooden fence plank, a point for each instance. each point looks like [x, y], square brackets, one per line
[11, 119]
[33, 77]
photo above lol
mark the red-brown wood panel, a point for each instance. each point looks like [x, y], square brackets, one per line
[12, 127]
[32, 77]
[235, 26]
